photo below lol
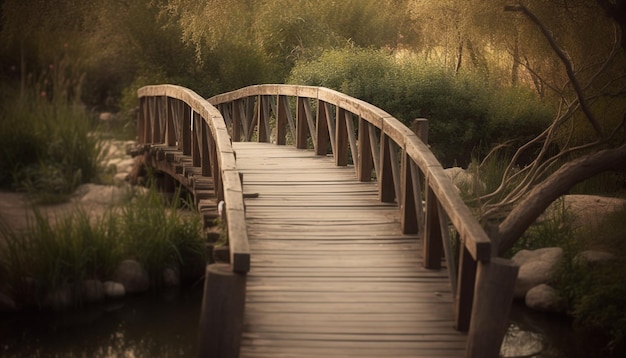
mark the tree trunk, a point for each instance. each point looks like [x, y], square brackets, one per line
[557, 184]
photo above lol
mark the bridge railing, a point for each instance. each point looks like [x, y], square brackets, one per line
[381, 148]
[174, 116]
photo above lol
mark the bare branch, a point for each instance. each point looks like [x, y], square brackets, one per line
[557, 184]
[565, 59]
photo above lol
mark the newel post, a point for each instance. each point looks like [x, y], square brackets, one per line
[495, 282]
[221, 319]
[420, 127]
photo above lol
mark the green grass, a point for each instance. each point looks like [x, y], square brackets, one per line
[53, 253]
[48, 147]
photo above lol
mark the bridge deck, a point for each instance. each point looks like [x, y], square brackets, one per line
[332, 275]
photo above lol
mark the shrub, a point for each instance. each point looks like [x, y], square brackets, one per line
[465, 112]
[48, 146]
[74, 247]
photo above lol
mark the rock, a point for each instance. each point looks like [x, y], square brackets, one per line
[464, 180]
[125, 166]
[120, 178]
[59, 298]
[92, 291]
[100, 194]
[7, 304]
[171, 277]
[535, 267]
[114, 289]
[133, 276]
[106, 116]
[593, 257]
[545, 298]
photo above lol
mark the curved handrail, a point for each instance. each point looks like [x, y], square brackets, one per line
[477, 241]
[180, 117]
[406, 171]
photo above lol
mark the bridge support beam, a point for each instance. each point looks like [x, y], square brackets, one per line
[221, 319]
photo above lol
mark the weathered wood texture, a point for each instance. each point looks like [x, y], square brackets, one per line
[188, 139]
[332, 274]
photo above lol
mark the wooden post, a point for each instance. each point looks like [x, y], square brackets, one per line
[321, 128]
[301, 124]
[433, 246]
[408, 209]
[466, 280]
[221, 319]
[186, 128]
[386, 189]
[365, 162]
[341, 138]
[281, 120]
[495, 283]
[420, 127]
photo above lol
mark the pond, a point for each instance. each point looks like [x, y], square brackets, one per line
[152, 325]
[165, 325]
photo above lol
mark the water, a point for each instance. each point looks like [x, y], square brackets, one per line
[163, 325]
[544, 335]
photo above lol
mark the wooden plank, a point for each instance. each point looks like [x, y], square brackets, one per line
[332, 271]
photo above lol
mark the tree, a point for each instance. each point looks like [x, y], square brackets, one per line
[588, 130]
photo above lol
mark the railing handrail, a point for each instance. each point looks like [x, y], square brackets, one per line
[231, 187]
[477, 241]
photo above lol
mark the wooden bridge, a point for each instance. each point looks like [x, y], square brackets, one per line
[345, 236]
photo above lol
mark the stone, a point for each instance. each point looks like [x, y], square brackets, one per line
[593, 257]
[120, 178]
[535, 267]
[100, 194]
[114, 289]
[464, 180]
[171, 277]
[125, 166]
[7, 304]
[133, 276]
[92, 291]
[545, 298]
[59, 298]
[106, 116]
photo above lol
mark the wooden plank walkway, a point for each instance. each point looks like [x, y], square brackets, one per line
[331, 274]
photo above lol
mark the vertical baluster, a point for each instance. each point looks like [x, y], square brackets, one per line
[408, 207]
[341, 138]
[433, 249]
[465, 288]
[352, 138]
[196, 153]
[386, 188]
[205, 133]
[263, 115]
[321, 146]
[281, 120]
[301, 124]
[141, 120]
[365, 162]
[186, 127]
[169, 117]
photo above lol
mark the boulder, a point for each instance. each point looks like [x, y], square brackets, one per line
[125, 166]
[7, 304]
[114, 289]
[545, 298]
[535, 267]
[591, 257]
[133, 276]
[465, 180]
[100, 194]
[92, 291]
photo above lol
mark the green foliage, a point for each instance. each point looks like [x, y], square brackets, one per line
[158, 236]
[74, 247]
[58, 252]
[596, 292]
[48, 146]
[463, 110]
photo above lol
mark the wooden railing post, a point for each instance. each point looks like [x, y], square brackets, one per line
[495, 283]
[221, 319]
[281, 120]
[365, 163]
[321, 128]
[420, 127]
[433, 246]
[301, 124]
[341, 138]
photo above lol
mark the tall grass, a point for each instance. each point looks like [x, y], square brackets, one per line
[48, 147]
[52, 253]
